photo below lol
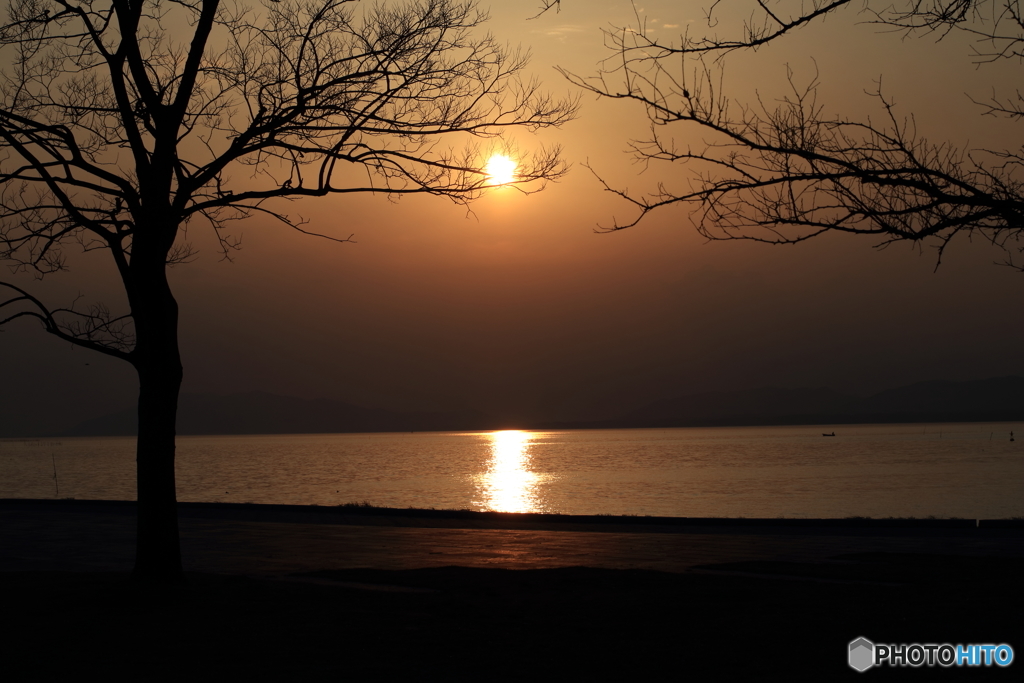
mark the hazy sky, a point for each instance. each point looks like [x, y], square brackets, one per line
[520, 310]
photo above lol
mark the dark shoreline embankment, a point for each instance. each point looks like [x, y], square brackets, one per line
[280, 592]
[372, 515]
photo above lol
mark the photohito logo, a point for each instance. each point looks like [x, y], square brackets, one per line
[863, 654]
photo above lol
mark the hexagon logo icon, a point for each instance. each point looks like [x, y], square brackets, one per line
[862, 654]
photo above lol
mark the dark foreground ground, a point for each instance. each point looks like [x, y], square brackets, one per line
[787, 612]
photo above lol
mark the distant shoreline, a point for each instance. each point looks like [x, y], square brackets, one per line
[566, 426]
[804, 421]
[997, 399]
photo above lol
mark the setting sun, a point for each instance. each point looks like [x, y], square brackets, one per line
[501, 169]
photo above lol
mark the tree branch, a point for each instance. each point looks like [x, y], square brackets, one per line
[788, 172]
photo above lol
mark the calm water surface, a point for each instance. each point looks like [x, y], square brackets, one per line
[950, 470]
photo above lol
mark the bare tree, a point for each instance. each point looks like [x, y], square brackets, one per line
[123, 121]
[786, 171]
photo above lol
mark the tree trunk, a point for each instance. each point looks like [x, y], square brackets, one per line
[158, 362]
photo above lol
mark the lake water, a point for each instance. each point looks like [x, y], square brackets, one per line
[949, 470]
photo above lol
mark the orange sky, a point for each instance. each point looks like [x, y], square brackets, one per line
[520, 310]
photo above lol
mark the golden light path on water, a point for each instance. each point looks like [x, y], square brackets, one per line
[509, 485]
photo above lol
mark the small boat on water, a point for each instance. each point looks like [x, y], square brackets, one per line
[832, 434]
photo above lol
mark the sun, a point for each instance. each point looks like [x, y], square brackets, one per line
[501, 170]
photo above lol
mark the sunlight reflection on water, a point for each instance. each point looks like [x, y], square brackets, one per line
[509, 485]
[948, 470]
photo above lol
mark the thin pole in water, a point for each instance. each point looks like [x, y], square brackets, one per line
[56, 485]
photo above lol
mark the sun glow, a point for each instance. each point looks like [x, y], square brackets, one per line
[501, 169]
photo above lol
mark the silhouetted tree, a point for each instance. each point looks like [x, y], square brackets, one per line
[121, 121]
[786, 171]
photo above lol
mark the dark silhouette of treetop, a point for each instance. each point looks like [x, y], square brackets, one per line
[124, 121]
[783, 171]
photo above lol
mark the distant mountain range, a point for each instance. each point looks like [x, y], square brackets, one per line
[987, 400]
[256, 412]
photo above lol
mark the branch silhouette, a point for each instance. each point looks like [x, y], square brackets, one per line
[124, 121]
[787, 171]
